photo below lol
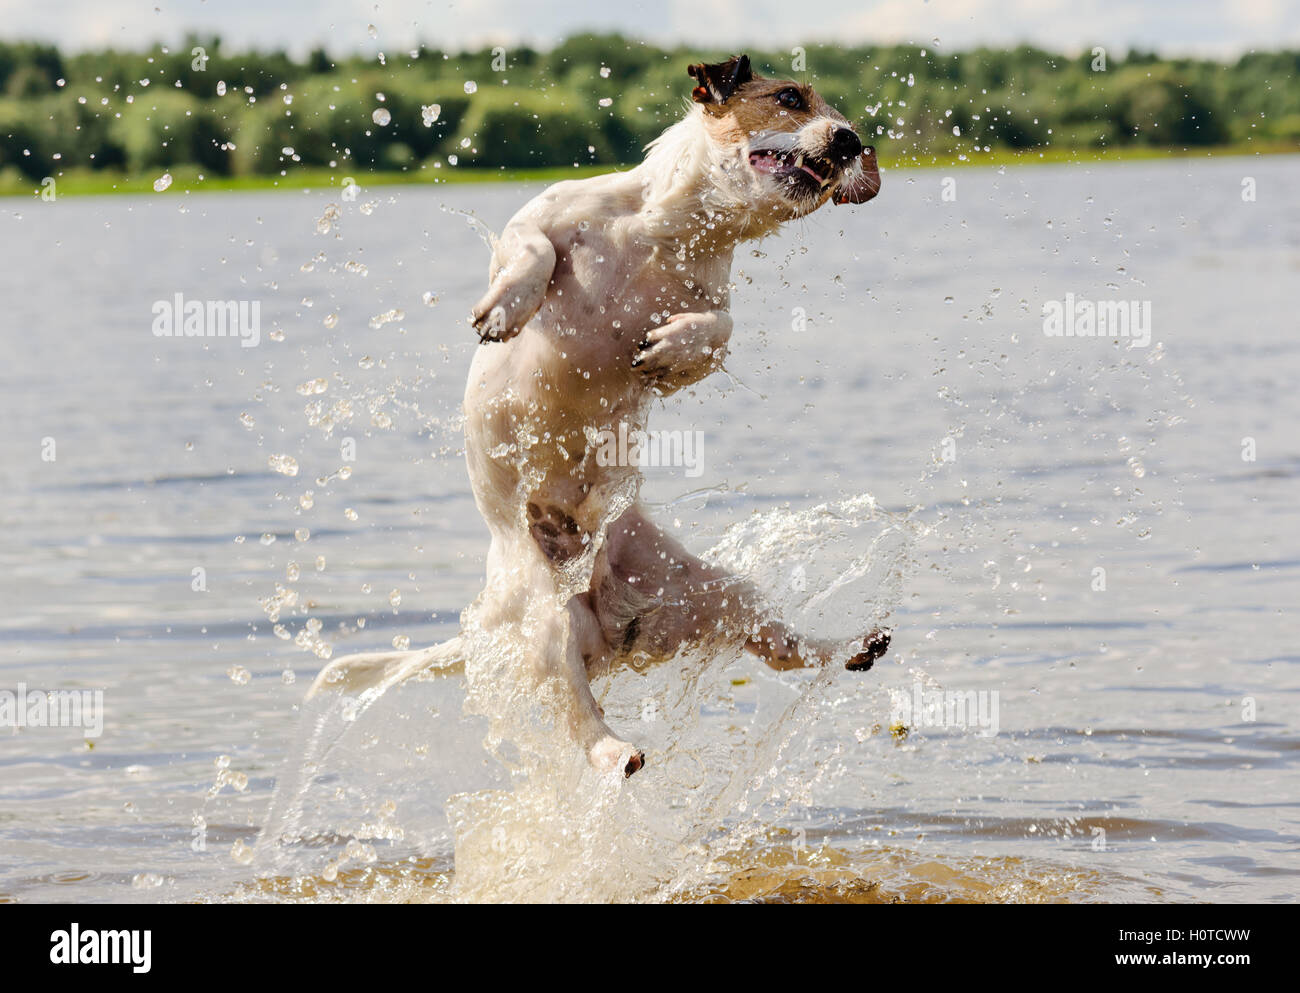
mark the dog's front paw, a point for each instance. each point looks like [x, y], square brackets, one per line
[684, 349]
[490, 325]
[874, 645]
[501, 314]
[609, 754]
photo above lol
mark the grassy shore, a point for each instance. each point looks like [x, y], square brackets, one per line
[87, 182]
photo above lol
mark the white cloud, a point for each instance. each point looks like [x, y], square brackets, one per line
[1213, 26]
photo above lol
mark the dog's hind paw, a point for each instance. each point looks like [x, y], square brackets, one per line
[635, 764]
[609, 754]
[874, 645]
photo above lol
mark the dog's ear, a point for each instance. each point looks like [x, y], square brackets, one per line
[719, 80]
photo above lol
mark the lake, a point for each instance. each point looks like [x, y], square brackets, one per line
[1089, 540]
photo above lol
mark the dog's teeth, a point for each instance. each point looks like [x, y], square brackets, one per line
[798, 163]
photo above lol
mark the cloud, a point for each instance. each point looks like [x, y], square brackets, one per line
[1207, 26]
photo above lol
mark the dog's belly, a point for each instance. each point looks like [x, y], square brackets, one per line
[535, 408]
[538, 405]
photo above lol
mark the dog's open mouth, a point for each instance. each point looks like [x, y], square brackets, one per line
[794, 166]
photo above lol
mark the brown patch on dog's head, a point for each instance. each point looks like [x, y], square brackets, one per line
[798, 145]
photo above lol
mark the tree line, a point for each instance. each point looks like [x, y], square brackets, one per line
[595, 99]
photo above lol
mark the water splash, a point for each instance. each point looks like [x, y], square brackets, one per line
[546, 826]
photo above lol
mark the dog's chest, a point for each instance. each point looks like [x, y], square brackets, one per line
[608, 279]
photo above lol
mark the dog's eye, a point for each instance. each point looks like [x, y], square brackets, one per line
[791, 98]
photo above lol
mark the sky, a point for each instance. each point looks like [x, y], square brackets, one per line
[1222, 28]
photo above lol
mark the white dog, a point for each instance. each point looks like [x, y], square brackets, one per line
[605, 293]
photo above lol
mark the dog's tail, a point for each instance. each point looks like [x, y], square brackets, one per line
[373, 673]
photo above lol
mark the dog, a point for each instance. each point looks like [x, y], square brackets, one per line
[605, 293]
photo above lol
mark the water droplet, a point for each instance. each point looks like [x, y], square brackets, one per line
[286, 465]
[162, 182]
[379, 320]
[239, 675]
[430, 113]
[327, 219]
[471, 86]
[381, 116]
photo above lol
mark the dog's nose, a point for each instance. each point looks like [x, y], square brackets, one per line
[845, 144]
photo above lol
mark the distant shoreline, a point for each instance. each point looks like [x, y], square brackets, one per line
[190, 179]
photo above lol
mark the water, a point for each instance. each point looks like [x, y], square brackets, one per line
[889, 363]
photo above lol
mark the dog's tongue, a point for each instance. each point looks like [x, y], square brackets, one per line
[773, 162]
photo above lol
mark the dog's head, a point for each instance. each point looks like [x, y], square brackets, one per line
[798, 150]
